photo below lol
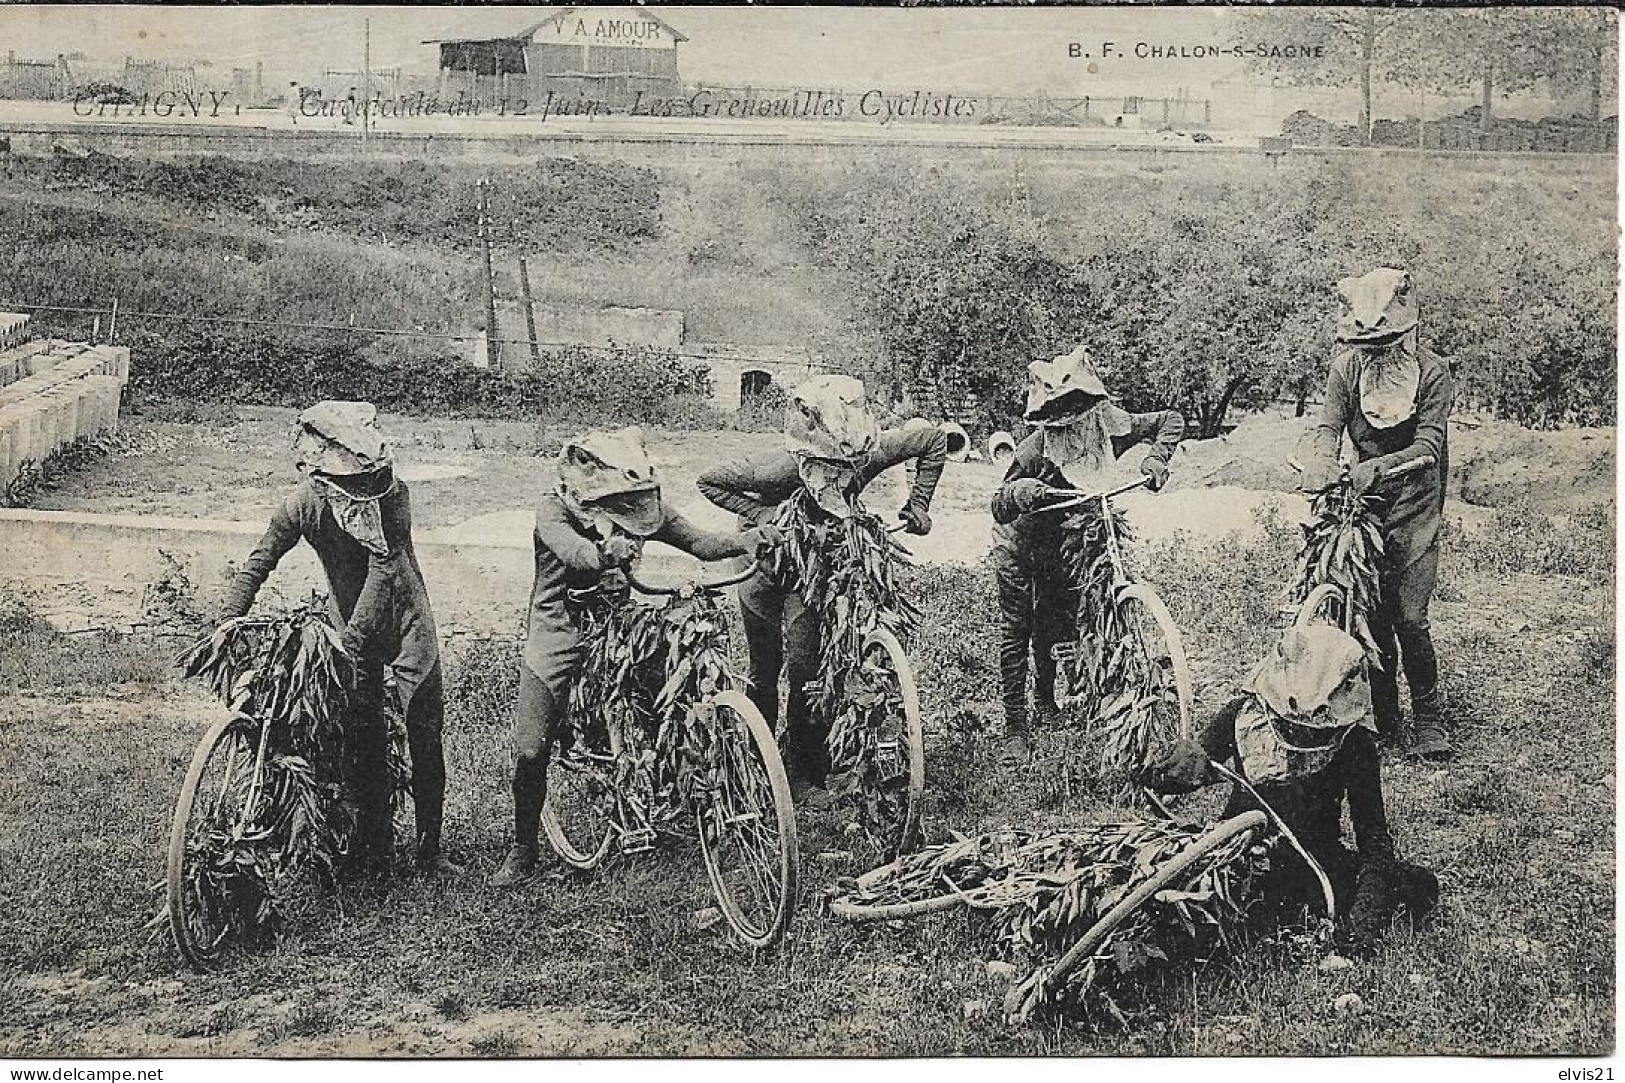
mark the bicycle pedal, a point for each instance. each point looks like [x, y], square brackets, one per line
[640, 841]
[888, 760]
[1064, 652]
[742, 818]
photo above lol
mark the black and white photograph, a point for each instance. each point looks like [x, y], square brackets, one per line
[581, 533]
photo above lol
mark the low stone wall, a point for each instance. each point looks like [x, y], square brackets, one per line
[85, 572]
[54, 393]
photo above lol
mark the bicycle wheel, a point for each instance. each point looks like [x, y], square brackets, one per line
[747, 824]
[577, 816]
[1158, 671]
[1165, 877]
[901, 740]
[1326, 604]
[208, 905]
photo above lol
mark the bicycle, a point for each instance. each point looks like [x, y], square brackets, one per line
[865, 689]
[1337, 577]
[660, 726]
[264, 810]
[1126, 672]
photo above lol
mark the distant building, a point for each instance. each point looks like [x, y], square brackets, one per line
[607, 55]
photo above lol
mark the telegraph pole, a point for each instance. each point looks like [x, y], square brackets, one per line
[366, 78]
[491, 351]
[530, 312]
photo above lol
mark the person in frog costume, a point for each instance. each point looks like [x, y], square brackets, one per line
[357, 515]
[1302, 734]
[590, 528]
[833, 448]
[1392, 397]
[1078, 433]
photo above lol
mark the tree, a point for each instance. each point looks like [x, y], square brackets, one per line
[1353, 42]
[1586, 56]
[1502, 49]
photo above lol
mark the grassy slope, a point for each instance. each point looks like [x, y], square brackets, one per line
[1520, 960]
[363, 255]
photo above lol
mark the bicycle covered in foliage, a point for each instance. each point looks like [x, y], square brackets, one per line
[1126, 674]
[845, 571]
[659, 726]
[265, 812]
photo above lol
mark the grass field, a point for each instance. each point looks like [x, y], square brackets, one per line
[1520, 830]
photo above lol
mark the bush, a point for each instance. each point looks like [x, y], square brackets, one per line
[549, 203]
[1519, 539]
[1215, 289]
[581, 383]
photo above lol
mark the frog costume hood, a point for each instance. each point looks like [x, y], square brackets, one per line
[1068, 400]
[1307, 695]
[1380, 317]
[829, 430]
[607, 479]
[339, 446]
[340, 439]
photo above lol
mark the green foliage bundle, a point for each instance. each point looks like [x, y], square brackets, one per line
[1114, 676]
[846, 571]
[1041, 894]
[1342, 545]
[290, 681]
[645, 666]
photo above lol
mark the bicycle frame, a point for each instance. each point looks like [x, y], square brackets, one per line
[637, 827]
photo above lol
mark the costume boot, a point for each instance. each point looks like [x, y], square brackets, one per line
[1015, 747]
[1431, 741]
[529, 794]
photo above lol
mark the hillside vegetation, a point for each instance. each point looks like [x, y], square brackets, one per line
[1209, 286]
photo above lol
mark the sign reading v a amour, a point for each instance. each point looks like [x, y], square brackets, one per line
[607, 26]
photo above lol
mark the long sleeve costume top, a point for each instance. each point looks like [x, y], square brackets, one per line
[1415, 501]
[1037, 537]
[568, 559]
[381, 599]
[753, 487]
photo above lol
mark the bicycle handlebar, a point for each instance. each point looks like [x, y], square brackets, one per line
[1420, 463]
[726, 581]
[1077, 497]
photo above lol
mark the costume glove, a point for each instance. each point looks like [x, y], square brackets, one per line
[1029, 493]
[917, 518]
[1183, 769]
[1364, 477]
[763, 539]
[618, 550]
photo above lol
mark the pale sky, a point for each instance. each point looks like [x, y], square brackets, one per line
[1012, 50]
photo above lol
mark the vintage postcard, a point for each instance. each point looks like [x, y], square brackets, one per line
[658, 531]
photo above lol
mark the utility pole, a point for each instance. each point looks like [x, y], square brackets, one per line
[366, 78]
[530, 312]
[491, 352]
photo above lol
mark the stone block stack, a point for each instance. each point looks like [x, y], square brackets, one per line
[53, 393]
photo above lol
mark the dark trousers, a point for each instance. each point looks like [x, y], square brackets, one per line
[783, 635]
[1404, 638]
[538, 722]
[369, 758]
[1038, 609]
